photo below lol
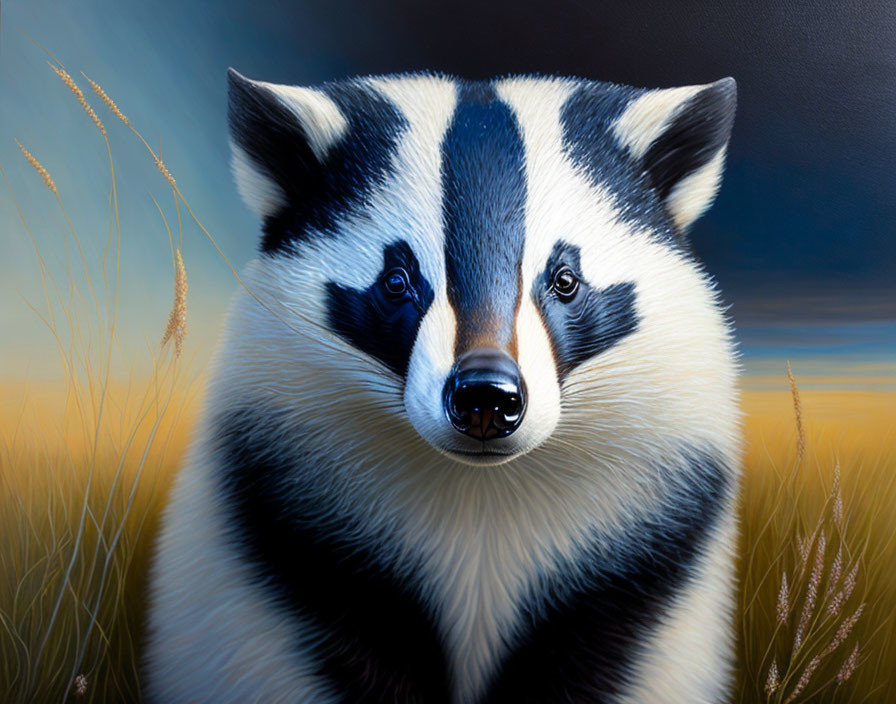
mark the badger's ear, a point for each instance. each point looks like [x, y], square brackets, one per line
[280, 135]
[679, 137]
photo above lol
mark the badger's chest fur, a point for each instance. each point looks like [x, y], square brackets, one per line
[472, 435]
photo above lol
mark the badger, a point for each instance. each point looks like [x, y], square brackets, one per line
[471, 435]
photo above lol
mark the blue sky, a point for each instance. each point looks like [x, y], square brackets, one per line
[802, 237]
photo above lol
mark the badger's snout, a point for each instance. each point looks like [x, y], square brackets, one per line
[485, 396]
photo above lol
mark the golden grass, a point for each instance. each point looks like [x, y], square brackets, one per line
[48, 465]
[85, 468]
[83, 473]
[785, 501]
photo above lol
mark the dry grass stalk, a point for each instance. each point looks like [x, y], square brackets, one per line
[849, 666]
[804, 678]
[773, 681]
[80, 686]
[107, 100]
[798, 411]
[44, 174]
[783, 606]
[177, 319]
[79, 94]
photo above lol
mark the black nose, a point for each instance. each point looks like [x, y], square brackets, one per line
[484, 396]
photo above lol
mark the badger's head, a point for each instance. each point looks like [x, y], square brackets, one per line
[498, 268]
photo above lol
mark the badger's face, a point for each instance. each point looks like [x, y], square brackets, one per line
[499, 265]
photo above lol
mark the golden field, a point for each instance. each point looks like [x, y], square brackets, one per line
[45, 463]
[86, 464]
[782, 501]
[81, 492]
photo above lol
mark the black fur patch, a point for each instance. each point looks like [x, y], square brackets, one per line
[384, 327]
[318, 193]
[373, 639]
[583, 627]
[586, 117]
[484, 200]
[702, 128]
[639, 186]
[591, 322]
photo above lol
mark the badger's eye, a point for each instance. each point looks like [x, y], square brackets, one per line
[396, 283]
[565, 283]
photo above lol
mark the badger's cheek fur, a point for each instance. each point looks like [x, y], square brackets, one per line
[429, 366]
[536, 360]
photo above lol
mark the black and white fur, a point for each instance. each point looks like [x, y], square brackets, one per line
[332, 537]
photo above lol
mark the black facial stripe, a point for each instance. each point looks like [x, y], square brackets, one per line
[587, 117]
[373, 639]
[484, 193]
[318, 194]
[583, 627]
[375, 322]
[588, 324]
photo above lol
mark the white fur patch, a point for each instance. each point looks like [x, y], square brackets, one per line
[320, 117]
[690, 657]
[647, 117]
[260, 192]
[691, 196]
[430, 364]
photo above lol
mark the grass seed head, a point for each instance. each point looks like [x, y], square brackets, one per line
[837, 493]
[164, 171]
[79, 94]
[804, 678]
[849, 666]
[44, 174]
[836, 572]
[107, 100]
[80, 685]
[773, 681]
[845, 628]
[783, 606]
[811, 592]
[804, 545]
[798, 412]
[840, 598]
[177, 318]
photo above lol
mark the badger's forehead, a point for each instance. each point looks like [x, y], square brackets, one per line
[471, 175]
[479, 190]
[401, 150]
